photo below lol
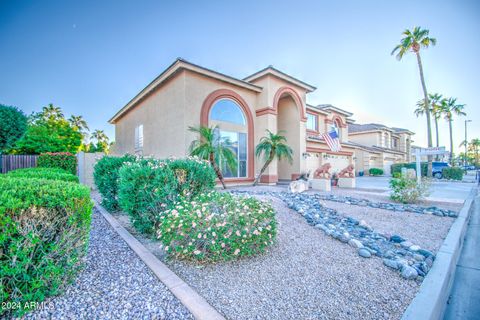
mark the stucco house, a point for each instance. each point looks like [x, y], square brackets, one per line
[155, 122]
[379, 146]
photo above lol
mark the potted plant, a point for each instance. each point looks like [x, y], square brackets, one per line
[334, 180]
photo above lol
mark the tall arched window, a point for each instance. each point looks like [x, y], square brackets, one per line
[336, 126]
[229, 117]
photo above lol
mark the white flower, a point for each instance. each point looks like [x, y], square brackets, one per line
[237, 251]
[199, 236]
[223, 245]
[196, 252]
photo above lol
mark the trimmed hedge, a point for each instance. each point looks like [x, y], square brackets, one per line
[375, 171]
[148, 187]
[105, 175]
[62, 160]
[217, 226]
[452, 173]
[44, 233]
[43, 173]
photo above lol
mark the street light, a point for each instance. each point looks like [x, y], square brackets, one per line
[466, 143]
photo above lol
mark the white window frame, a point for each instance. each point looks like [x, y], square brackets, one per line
[139, 138]
[315, 117]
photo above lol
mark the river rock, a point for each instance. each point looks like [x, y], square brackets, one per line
[409, 273]
[363, 252]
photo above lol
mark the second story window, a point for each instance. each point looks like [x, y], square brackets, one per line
[139, 138]
[312, 122]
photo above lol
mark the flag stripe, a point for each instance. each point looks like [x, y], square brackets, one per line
[331, 138]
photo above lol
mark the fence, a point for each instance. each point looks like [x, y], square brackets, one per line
[11, 162]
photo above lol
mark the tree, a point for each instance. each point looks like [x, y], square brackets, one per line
[272, 146]
[79, 123]
[101, 142]
[214, 148]
[474, 146]
[13, 124]
[413, 41]
[49, 131]
[449, 109]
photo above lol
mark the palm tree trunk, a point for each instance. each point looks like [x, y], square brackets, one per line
[436, 134]
[267, 163]
[427, 113]
[217, 170]
[451, 140]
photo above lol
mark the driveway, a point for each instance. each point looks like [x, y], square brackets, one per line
[455, 192]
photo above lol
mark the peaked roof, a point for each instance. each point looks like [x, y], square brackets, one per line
[329, 107]
[279, 74]
[174, 68]
[354, 127]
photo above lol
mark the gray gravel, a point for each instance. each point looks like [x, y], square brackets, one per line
[115, 284]
[305, 275]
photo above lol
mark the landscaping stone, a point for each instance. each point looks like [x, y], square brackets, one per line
[363, 252]
[390, 263]
[358, 234]
[409, 273]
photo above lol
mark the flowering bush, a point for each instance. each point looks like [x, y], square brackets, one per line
[105, 175]
[62, 160]
[407, 190]
[217, 226]
[148, 187]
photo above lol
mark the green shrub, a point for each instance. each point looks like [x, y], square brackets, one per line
[105, 175]
[43, 173]
[217, 226]
[44, 232]
[62, 160]
[148, 187]
[452, 173]
[407, 190]
[375, 171]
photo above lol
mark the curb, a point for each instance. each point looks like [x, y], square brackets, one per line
[431, 299]
[195, 303]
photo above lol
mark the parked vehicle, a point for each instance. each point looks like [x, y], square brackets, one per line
[437, 168]
[468, 167]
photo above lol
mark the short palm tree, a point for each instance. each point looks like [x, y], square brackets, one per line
[450, 107]
[215, 149]
[272, 146]
[413, 41]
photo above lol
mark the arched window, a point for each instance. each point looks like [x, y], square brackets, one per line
[232, 127]
[226, 110]
[336, 126]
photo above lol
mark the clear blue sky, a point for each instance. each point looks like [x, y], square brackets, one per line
[91, 57]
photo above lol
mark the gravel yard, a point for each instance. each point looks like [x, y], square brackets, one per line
[115, 284]
[427, 231]
[305, 275]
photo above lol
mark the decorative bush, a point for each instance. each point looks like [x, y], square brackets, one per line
[375, 171]
[62, 160]
[407, 190]
[43, 173]
[105, 175]
[148, 187]
[44, 233]
[217, 226]
[452, 173]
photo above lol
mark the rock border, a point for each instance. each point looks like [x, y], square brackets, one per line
[431, 299]
[195, 303]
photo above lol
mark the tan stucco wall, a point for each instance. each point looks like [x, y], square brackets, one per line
[162, 115]
[367, 139]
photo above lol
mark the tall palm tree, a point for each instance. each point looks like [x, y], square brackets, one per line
[474, 145]
[79, 123]
[272, 146]
[52, 112]
[215, 149]
[436, 108]
[450, 107]
[414, 41]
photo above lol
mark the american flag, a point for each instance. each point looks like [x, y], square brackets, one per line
[331, 138]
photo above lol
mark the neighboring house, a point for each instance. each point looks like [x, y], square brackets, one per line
[155, 122]
[379, 146]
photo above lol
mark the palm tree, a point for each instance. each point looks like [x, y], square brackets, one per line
[51, 112]
[474, 145]
[79, 123]
[435, 104]
[100, 136]
[214, 148]
[272, 146]
[449, 109]
[413, 41]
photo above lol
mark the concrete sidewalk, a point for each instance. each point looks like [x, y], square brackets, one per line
[464, 301]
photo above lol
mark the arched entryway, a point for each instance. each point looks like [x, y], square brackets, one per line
[290, 122]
